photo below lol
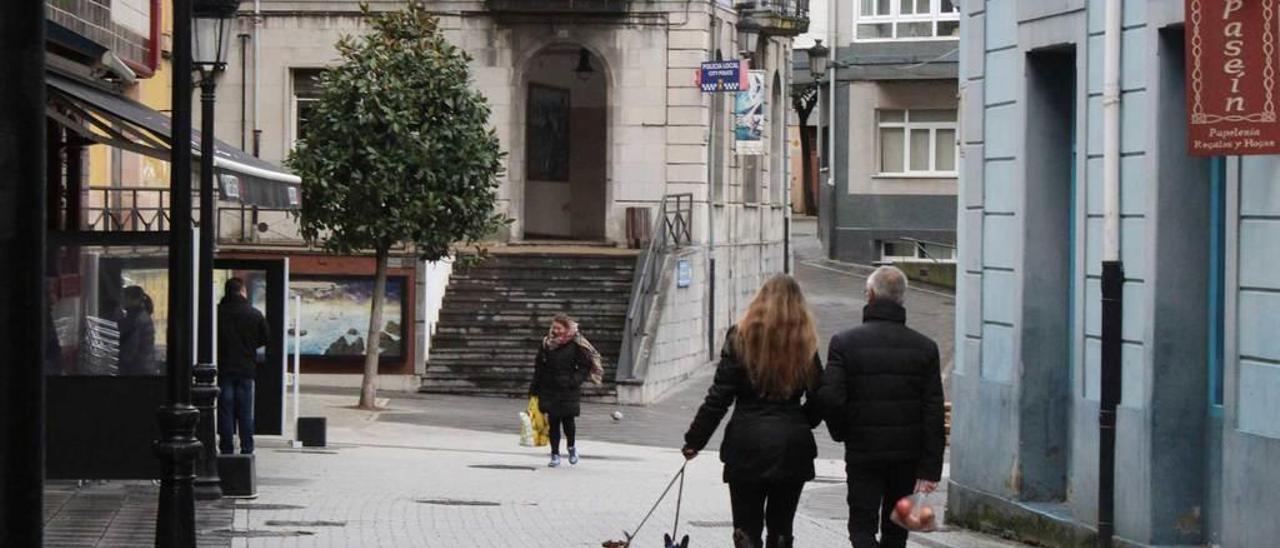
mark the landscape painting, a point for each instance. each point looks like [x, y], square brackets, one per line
[335, 315]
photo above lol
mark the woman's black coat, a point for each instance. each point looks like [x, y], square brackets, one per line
[137, 342]
[558, 375]
[766, 440]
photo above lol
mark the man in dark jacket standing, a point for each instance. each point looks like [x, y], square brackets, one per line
[882, 391]
[241, 332]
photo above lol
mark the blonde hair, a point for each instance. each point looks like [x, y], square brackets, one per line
[776, 339]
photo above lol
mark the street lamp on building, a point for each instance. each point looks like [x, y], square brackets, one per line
[213, 21]
[818, 55]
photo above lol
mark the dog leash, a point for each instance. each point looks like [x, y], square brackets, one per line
[679, 498]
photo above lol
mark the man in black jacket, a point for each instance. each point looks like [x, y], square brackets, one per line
[882, 391]
[241, 332]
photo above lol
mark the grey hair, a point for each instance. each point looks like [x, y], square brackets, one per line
[888, 283]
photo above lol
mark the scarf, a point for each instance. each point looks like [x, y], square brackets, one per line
[572, 335]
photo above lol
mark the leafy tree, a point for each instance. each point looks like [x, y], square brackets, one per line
[398, 150]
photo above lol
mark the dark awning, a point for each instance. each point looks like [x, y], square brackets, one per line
[113, 120]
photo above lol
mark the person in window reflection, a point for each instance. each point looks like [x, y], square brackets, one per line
[137, 333]
[241, 332]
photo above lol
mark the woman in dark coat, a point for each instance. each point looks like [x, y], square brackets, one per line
[769, 370]
[565, 360]
[137, 333]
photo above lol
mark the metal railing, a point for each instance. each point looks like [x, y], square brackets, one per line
[675, 223]
[126, 209]
[798, 9]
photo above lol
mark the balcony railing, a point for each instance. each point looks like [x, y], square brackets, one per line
[559, 7]
[126, 209]
[774, 17]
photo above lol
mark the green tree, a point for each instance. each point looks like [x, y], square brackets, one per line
[398, 150]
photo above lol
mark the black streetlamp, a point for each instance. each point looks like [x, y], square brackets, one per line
[178, 447]
[818, 55]
[213, 21]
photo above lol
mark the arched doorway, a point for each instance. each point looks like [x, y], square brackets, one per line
[566, 145]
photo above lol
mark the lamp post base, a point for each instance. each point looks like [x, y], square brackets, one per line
[208, 485]
[177, 449]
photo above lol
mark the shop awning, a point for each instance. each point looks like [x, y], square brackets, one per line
[104, 117]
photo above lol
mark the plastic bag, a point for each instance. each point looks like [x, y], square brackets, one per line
[526, 429]
[541, 429]
[914, 513]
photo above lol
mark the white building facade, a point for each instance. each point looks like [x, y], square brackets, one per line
[597, 106]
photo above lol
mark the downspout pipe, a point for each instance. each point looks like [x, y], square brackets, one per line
[1112, 273]
[833, 32]
[257, 129]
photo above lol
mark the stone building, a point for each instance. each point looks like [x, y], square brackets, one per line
[1197, 432]
[597, 106]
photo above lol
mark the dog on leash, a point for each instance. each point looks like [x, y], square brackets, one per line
[668, 542]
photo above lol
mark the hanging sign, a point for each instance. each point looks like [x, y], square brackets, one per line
[722, 76]
[1233, 67]
[748, 117]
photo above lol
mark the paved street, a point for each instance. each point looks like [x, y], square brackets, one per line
[434, 470]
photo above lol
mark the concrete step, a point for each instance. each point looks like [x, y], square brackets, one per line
[539, 319]
[601, 394]
[543, 287]
[495, 315]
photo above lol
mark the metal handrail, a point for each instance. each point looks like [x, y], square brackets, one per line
[675, 216]
[118, 210]
[787, 8]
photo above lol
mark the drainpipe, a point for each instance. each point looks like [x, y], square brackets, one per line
[712, 143]
[1112, 274]
[786, 159]
[244, 89]
[833, 32]
[257, 130]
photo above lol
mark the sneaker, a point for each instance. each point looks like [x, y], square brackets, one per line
[573, 455]
[555, 461]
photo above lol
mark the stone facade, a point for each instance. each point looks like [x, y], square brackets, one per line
[1197, 411]
[657, 138]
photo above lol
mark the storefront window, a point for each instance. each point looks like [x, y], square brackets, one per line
[108, 311]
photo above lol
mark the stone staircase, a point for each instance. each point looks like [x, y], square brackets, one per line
[495, 314]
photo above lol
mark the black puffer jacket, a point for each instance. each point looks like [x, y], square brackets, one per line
[241, 332]
[558, 375]
[882, 392]
[765, 440]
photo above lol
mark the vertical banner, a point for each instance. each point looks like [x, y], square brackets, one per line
[748, 117]
[1232, 64]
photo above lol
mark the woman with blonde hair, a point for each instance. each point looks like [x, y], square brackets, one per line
[769, 370]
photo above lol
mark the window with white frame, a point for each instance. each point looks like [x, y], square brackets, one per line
[306, 92]
[907, 19]
[891, 250]
[917, 142]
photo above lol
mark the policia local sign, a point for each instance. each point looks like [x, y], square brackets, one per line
[1233, 67]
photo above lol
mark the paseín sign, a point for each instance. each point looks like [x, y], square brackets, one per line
[1232, 68]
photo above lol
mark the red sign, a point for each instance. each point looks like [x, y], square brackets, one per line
[1232, 69]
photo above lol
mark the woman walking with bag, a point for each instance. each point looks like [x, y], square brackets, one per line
[769, 369]
[565, 360]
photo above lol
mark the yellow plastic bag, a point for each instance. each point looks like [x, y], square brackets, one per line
[541, 430]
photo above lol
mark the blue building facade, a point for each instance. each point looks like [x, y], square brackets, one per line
[1199, 422]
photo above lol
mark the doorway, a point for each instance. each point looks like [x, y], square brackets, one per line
[566, 145]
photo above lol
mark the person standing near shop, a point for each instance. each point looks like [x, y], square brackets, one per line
[242, 330]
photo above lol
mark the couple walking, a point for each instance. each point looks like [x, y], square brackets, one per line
[880, 393]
